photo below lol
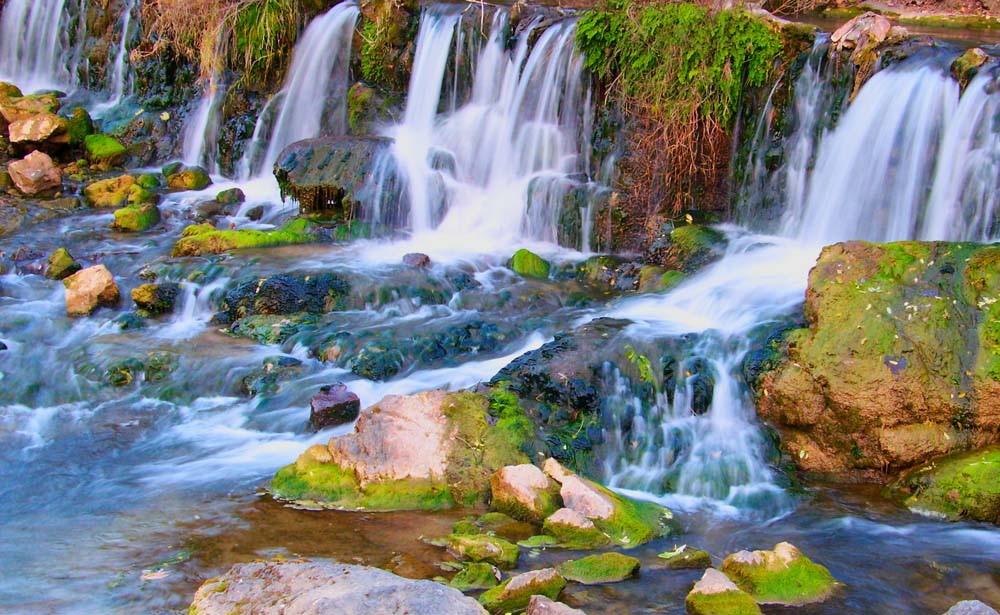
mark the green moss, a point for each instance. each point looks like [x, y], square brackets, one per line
[466, 526]
[477, 575]
[272, 328]
[359, 98]
[108, 193]
[192, 178]
[572, 537]
[262, 35]
[670, 279]
[61, 264]
[527, 264]
[204, 238]
[684, 557]
[136, 218]
[148, 181]
[484, 548]
[539, 542]
[602, 568]
[103, 149]
[634, 522]
[691, 239]
[79, 126]
[725, 603]
[495, 521]
[772, 580]
[961, 22]
[500, 599]
[960, 486]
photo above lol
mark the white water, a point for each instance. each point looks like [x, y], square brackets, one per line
[492, 169]
[201, 135]
[120, 79]
[312, 101]
[38, 48]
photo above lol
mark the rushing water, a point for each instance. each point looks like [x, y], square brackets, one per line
[39, 46]
[119, 79]
[122, 500]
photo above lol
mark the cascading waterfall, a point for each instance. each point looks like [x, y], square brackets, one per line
[497, 163]
[201, 134]
[312, 101]
[41, 42]
[119, 77]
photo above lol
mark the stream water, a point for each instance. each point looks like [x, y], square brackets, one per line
[123, 500]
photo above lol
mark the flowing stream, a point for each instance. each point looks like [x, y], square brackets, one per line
[124, 499]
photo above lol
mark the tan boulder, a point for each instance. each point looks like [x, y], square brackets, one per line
[44, 127]
[35, 174]
[578, 494]
[867, 29]
[524, 492]
[14, 109]
[88, 289]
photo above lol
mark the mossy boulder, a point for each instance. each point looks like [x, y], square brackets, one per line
[156, 298]
[136, 218]
[79, 126]
[526, 263]
[965, 67]
[781, 576]
[429, 451]
[148, 181]
[574, 531]
[102, 149]
[14, 109]
[232, 196]
[524, 492]
[483, 548]
[61, 264]
[477, 575]
[900, 362]
[959, 486]
[692, 247]
[202, 239]
[684, 557]
[715, 594]
[600, 568]
[515, 593]
[188, 178]
[116, 192]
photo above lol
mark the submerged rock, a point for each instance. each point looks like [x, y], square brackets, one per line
[601, 568]
[333, 405]
[959, 486]
[515, 593]
[35, 174]
[61, 264]
[684, 557]
[88, 289]
[312, 588]
[715, 594]
[416, 259]
[781, 576]
[477, 575]
[285, 294]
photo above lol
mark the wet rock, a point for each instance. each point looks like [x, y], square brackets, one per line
[970, 607]
[103, 150]
[9, 90]
[412, 452]
[79, 126]
[207, 210]
[415, 259]
[272, 330]
[329, 175]
[116, 192]
[285, 294]
[686, 248]
[88, 289]
[35, 174]
[598, 569]
[515, 593]
[542, 605]
[483, 548]
[715, 594]
[867, 28]
[156, 298]
[136, 218]
[203, 239]
[333, 405]
[524, 492]
[526, 263]
[255, 213]
[958, 486]
[3, 346]
[39, 129]
[572, 530]
[24, 107]
[965, 67]
[899, 363]
[267, 379]
[781, 576]
[477, 575]
[308, 588]
[232, 196]
[188, 178]
[61, 264]
[124, 372]
[684, 557]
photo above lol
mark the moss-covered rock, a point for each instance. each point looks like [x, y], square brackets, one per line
[483, 548]
[116, 192]
[188, 178]
[693, 246]
[527, 264]
[102, 149]
[524, 492]
[156, 298]
[148, 181]
[136, 218]
[514, 593]
[232, 196]
[965, 67]
[781, 576]
[201, 239]
[574, 531]
[601, 568]
[61, 264]
[477, 575]
[958, 486]
[684, 557]
[79, 126]
[715, 594]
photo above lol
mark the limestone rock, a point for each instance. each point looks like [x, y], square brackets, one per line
[477, 575]
[524, 492]
[715, 594]
[35, 174]
[188, 178]
[573, 530]
[541, 605]
[308, 588]
[869, 26]
[136, 218]
[515, 593]
[483, 548]
[20, 108]
[88, 289]
[416, 259]
[684, 557]
[965, 67]
[102, 149]
[781, 576]
[527, 264]
[333, 405]
[41, 128]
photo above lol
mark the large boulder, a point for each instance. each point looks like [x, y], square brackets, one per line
[313, 588]
[103, 150]
[959, 486]
[780, 576]
[18, 108]
[89, 289]
[136, 218]
[116, 192]
[970, 607]
[429, 450]
[35, 174]
[156, 298]
[41, 128]
[330, 175]
[900, 362]
[865, 29]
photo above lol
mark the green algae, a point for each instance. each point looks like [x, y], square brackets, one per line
[527, 264]
[601, 568]
[201, 239]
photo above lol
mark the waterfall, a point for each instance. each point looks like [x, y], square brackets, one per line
[41, 43]
[490, 162]
[201, 134]
[119, 79]
[311, 102]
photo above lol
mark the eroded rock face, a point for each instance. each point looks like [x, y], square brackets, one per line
[35, 174]
[39, 128]
[312, 588]
[88, 289]
[867, 27]
[900, 361]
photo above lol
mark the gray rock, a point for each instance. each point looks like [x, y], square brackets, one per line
[313, 588]
[540, 605]
[970, 607]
